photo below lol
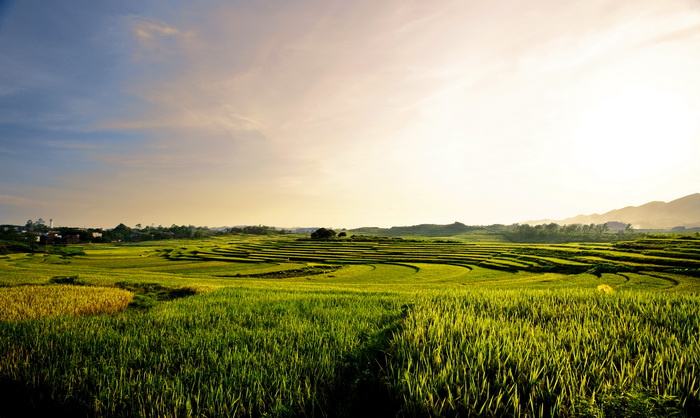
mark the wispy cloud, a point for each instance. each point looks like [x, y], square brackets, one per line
[386, 106]
[157, 42]
[149, 31]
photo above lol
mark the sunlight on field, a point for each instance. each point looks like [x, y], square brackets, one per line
[605, 288]
[546, 353]
[278, 326]
[31, 302]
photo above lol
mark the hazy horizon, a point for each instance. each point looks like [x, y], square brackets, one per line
[57, 223]
[345, 114]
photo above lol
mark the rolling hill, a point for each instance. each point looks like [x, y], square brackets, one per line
[653, 215]
[430, 230]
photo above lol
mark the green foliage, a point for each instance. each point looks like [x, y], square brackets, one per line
[565, 233]
[600, 268]
[357, 328]
[123, 233]
[546, 353]
[147, 294]
[323, 233]
[256, 230]
[10, 247]
[65, 250]
[516, 233]
[73, 280]
[227, 353]
[285, 274]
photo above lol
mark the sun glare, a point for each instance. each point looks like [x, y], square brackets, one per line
[634, 127]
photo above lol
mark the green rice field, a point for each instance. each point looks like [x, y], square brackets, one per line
[284, 326]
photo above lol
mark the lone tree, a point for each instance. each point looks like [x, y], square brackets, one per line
[323, 233]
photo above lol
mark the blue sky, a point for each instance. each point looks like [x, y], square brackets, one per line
[62, 68]
[344, 114]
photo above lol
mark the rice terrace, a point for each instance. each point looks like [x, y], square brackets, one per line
[352, 209]
[282, 325]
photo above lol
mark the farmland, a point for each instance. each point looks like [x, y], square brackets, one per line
[285, 326]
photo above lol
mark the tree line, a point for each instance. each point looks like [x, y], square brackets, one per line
[36, 233]
[553, 232]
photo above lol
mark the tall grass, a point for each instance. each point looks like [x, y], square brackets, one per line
[226, 353]
[549, 353]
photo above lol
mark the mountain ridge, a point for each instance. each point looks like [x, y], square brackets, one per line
[681, 212]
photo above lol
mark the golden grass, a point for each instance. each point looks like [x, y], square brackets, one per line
[604, 288]
[31, 302]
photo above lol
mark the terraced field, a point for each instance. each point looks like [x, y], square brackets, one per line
[656, 259]
[285, 326]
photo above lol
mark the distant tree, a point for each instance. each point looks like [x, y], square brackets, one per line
[120, 232]
[36, 226]
[121, 228]
[323, 233]
[343, 234]
[255, 230]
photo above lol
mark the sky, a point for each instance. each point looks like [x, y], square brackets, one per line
[345, 114]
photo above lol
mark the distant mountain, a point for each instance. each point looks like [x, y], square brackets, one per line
[683, 212]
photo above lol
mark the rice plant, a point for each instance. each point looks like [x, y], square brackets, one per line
[275, 326]
[31, 302]
[549, 353]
